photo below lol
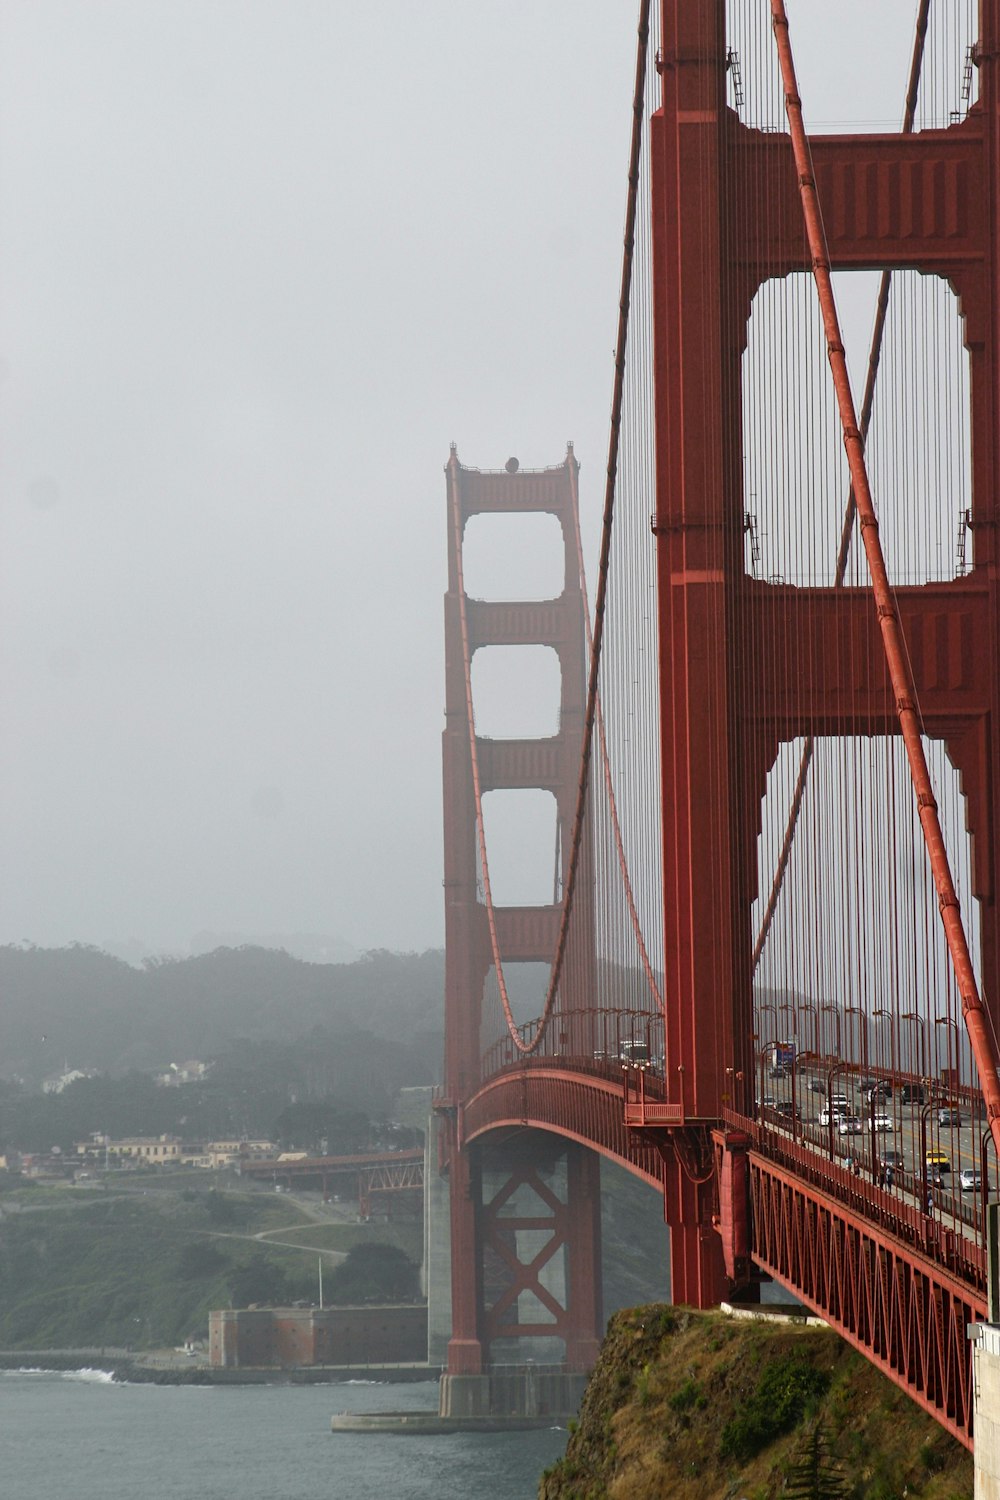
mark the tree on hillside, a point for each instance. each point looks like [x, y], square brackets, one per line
[259, 1281]
[321, 1127]
[374, 1273]
[816, 1474]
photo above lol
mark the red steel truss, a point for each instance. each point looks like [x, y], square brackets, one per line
[746, 665]
[474, 930]
[903, 1312]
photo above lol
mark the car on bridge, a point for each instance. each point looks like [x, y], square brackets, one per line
[850, 1125]
[938, 1167]
[635, 1053]
[892, 1158]
[831, 1114]
[912, 1093]
[949, 1116]
[970, 1180]
[882, 1122]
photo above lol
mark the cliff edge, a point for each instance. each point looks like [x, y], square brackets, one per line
[702, 1406]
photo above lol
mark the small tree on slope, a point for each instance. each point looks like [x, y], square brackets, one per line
[816, 1474]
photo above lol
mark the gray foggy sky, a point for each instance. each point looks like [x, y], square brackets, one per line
[261, 262]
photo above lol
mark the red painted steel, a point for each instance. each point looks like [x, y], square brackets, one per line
[900, 1283]
[926, 202]
[905, 1313]
[476, 934]
[904, 687]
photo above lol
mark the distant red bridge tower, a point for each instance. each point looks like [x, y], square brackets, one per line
[525, 1205]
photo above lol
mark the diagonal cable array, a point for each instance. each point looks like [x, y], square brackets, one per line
[594, 715]
[847, 533]
[903, 685]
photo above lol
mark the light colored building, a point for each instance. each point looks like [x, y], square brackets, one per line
[60, 1081]
[153, 1149]
[191, 1071]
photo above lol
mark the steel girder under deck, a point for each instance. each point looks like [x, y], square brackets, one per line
[902, 1311]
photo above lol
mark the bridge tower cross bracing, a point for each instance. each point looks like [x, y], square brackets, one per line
[526, 934]
[746, 665]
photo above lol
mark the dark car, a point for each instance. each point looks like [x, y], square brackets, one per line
[912, 1093]
[892, 1158]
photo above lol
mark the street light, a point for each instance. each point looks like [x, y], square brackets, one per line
[808, 1007]
[855, 1010]
[889, 1015]
[763, 1005]
[835, 1012]
[953, 1079]
[785, 1005]
[911, 1015]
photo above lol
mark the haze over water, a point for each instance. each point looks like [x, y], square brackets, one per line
[65, 1435]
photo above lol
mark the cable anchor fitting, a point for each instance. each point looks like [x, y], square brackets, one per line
[927, 799]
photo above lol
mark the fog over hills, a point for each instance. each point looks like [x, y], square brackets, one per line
[81, 1007]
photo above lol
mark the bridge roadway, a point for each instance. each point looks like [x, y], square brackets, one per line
[900, 1283]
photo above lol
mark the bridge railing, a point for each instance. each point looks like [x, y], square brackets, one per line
[601, 1040]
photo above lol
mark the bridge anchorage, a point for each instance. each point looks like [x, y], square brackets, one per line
[771, 943]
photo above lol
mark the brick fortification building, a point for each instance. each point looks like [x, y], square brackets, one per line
[290, 1337]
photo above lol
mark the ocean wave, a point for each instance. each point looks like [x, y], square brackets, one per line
[97, 1377]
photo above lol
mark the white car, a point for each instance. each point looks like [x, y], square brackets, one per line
[970, 1181]
[882, 1122]
[850, 1125]
[831, 1113]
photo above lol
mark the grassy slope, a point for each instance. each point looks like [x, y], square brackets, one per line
[80, 1270]
[655, 1415]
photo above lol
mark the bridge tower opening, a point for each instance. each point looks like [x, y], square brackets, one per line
[524, 1205]
[748, 664]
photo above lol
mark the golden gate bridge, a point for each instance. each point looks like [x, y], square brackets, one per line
[771, 949]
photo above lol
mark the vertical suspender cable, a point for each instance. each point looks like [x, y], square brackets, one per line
[900, 675]
[843, 554]
[525, 1045]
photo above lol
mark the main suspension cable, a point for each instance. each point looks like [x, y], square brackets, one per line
[847, 533]
[897, 660]
[523, 1046]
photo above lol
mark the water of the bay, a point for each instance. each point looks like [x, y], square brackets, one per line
[82, 1437]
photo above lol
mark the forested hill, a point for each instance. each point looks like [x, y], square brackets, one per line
[81, 1007]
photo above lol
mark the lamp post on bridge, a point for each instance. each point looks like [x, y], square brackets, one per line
[835, 1012]
[810, 1009]
[786, 1006]
[912, 1015]
[882, 1014]
[954, 1078]
[762, 1006]
[855, 1010]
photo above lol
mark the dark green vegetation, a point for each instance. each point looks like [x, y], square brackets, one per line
[80, 1006]
[85, 1269]
[304, 1054]
[700, 1407]
[253, 1090]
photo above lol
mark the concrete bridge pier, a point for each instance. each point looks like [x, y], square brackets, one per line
[526, 1313]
